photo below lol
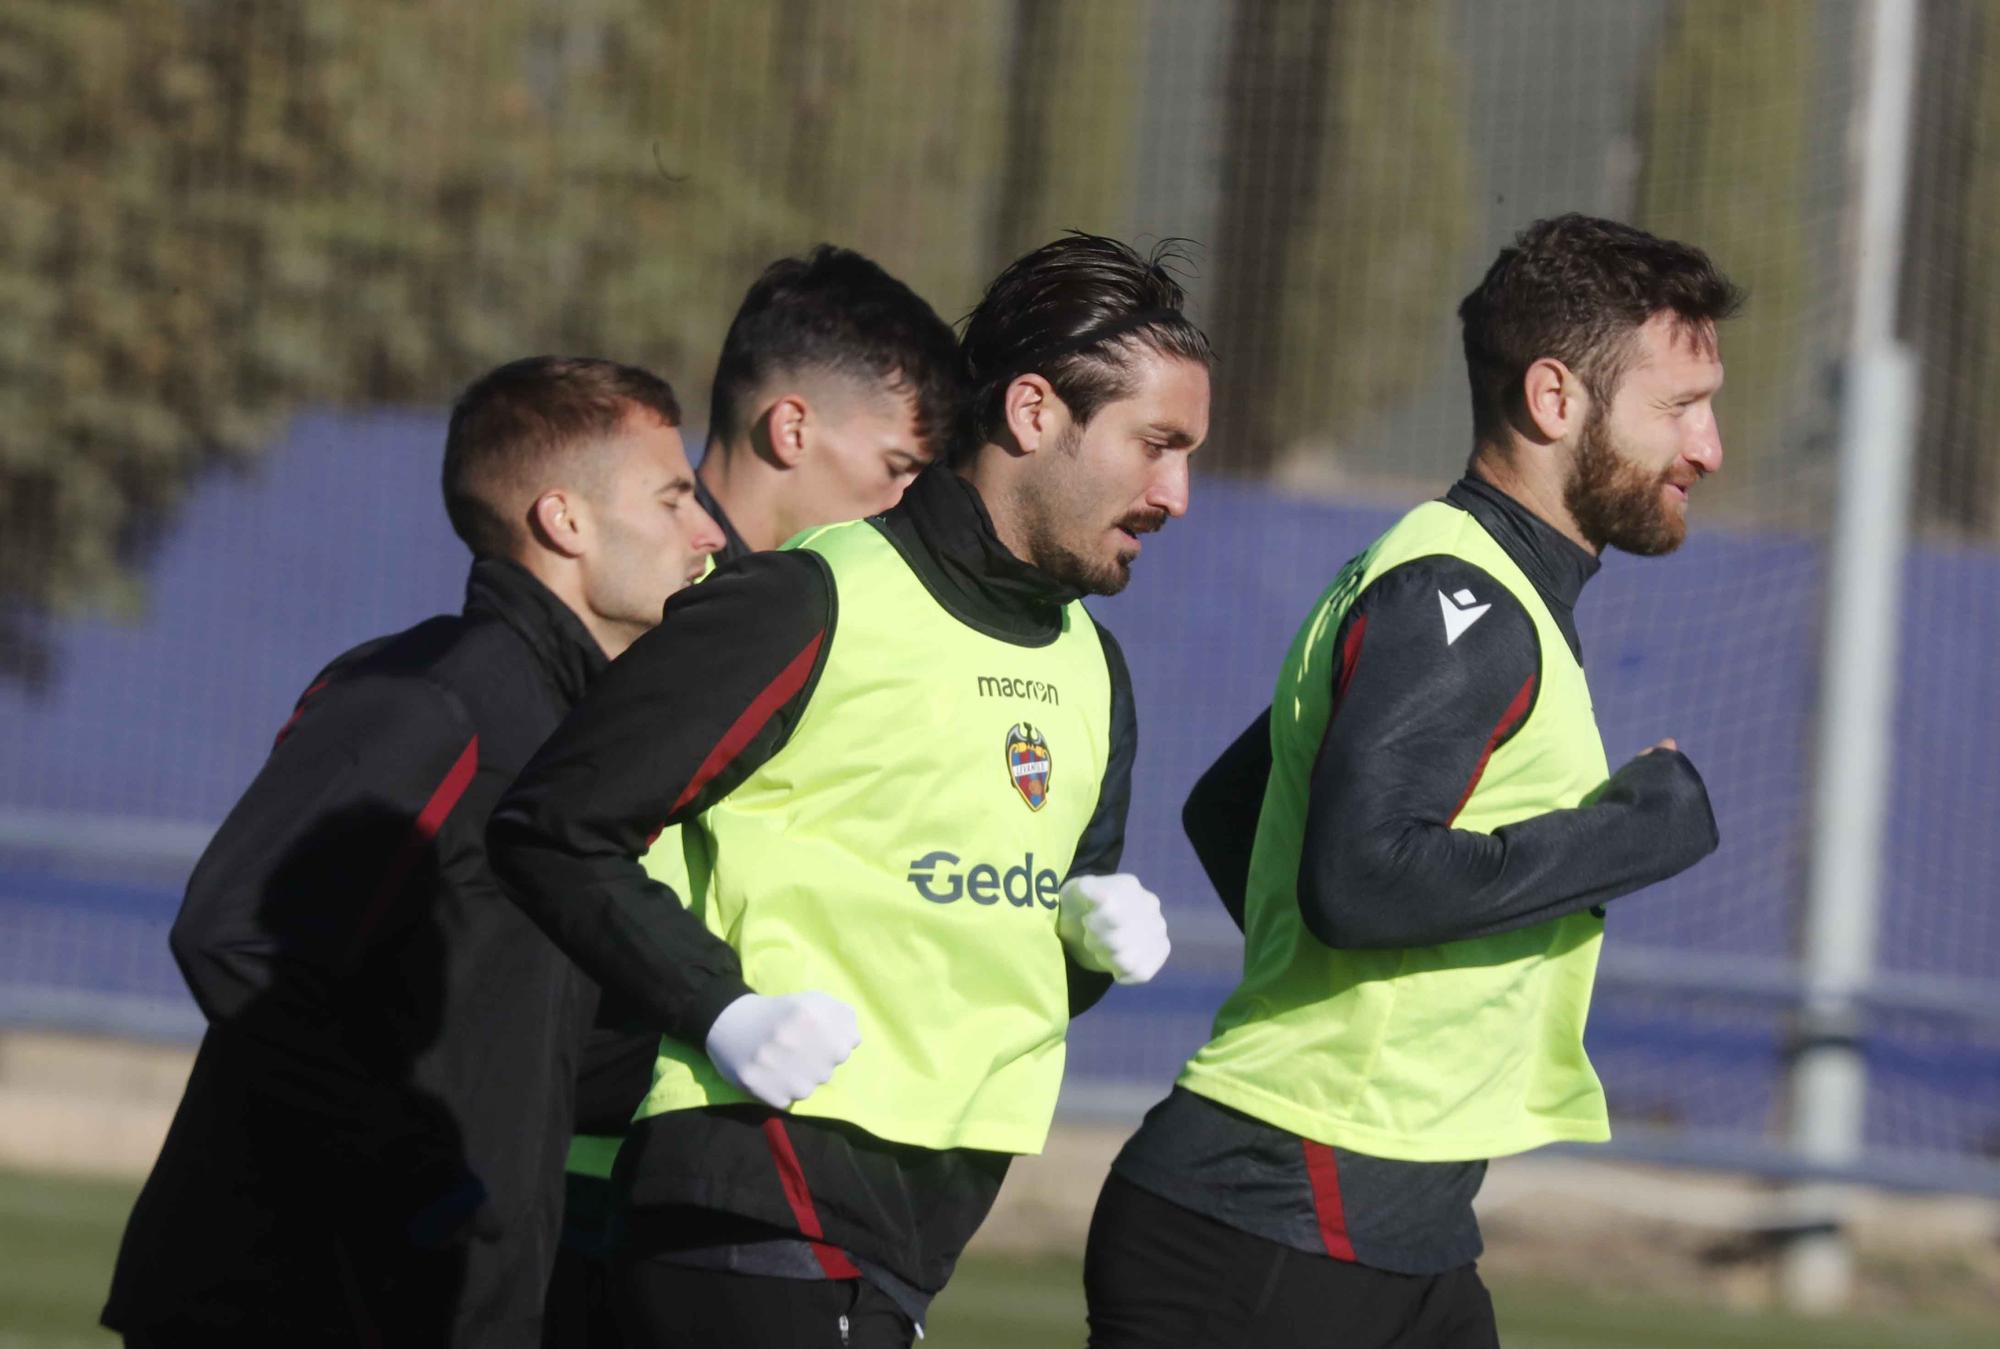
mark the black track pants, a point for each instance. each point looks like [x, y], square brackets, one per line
[681, 1307]
[1159, 1276]
[578, 1313]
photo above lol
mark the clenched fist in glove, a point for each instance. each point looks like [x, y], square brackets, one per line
[781, 1050]
[1113, 924]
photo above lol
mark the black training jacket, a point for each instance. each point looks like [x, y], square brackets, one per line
[678, 723]
[370, 1147]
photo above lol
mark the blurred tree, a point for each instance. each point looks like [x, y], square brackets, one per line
[1072, 122]
[1723, 134]
[1951, 276]
[1346, 205]
[221, 211]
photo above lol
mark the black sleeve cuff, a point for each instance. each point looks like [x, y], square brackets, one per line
[1086, 987]
[705, 1006]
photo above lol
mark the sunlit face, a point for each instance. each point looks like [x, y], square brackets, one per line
[1098, 487]
[860, 450]
[1638, 459]
[649, 536]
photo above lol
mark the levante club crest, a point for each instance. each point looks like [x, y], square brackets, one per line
[1028, 764]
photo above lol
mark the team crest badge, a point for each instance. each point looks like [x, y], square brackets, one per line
[1028, 764]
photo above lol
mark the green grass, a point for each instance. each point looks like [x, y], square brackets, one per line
[1546, 1317]
[58, 1237]
[996, 1304]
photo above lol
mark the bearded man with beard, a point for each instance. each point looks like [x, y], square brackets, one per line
[900, 753]
[1418, 838]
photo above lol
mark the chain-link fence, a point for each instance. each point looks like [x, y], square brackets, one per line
[236, 233]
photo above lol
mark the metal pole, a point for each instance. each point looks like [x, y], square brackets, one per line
[1857, 707]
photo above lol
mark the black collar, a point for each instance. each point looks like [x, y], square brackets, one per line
[733, 546]
[1557, 565]
[943, 530]
[504, 589]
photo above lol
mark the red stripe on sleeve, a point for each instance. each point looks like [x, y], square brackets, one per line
[297, 711]
[1508, 721]
[762, 708]
[429, 820]
[833, 1261]
[1350, 656]
[1323, 1173]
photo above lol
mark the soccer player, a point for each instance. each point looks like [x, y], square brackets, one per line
[370, 1147]
[1438, 832]
[900, 751]
[835, 386]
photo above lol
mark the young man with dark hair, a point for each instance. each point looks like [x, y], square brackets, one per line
[1438, 833]
[370, 1147]
[836, 386]
[900, 752]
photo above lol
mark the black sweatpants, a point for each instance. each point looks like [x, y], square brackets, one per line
[192, 1335]
[1159, 1276]
[413, 1311]
[683, 1307]
[578, 1313]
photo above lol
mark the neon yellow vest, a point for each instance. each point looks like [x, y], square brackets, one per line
[903, 852]
[1468, 1050]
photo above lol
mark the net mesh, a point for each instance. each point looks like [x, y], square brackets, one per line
[251, 250]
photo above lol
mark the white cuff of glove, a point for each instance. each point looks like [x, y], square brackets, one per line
[1113, 924]
[782, 1049]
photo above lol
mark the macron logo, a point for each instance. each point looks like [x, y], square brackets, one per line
[1460, 613]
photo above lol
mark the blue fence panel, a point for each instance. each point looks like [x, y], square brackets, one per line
[149, 731]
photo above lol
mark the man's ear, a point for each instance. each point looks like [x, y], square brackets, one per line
[1553, 399]
[783, 429]
[1032, 411]
[557, 521]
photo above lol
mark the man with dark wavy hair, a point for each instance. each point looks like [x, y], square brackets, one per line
[1418, 837]
[900, 754]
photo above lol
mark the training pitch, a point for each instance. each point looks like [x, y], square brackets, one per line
[58, 1236]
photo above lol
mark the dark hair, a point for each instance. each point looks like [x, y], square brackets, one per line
[1075, 312]
[1576, 288]
[510, 422]
[835, 310]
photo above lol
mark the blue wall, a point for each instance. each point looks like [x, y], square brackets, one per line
[339, 535]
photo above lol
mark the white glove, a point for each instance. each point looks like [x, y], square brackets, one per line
[781, 1050]
[1113, 924]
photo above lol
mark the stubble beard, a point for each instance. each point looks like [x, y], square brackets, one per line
[1615, 502]
[1050, 520]
[1053, 555]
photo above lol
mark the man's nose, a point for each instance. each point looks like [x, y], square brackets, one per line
[1169, 491]
[708, 534]
[1706, 451]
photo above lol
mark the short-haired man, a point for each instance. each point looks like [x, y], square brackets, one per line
[901, 752]
[370, 1146]
[836, 386]
[1438, 832]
